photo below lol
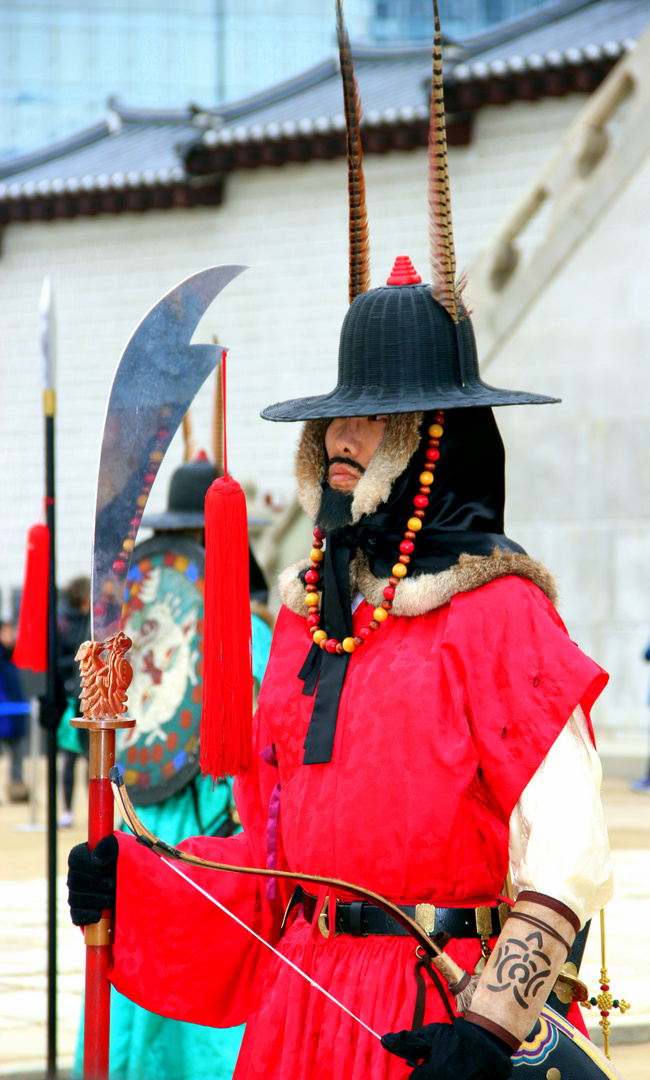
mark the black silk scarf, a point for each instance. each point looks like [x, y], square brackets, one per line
[464, 516]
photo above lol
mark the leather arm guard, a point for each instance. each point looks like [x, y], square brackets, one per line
[521, 972]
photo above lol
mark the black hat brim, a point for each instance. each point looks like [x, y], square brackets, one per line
[349, 401]
[175, 521]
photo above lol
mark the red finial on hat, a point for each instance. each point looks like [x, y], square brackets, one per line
[404, 272]
[200, 455]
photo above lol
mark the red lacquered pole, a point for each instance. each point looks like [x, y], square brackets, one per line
[99, 936]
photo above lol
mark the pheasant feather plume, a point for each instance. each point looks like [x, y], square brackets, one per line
[446, 290]
[359, 244]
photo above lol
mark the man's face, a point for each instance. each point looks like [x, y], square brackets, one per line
[350, 442]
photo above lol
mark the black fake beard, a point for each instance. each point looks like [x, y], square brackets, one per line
[335, 511]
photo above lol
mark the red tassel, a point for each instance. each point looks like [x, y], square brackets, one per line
[30, 653]
[226, 721]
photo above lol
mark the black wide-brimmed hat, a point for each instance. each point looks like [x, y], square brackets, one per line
[401, 352]
[405, 347]
[188, 488]
[186, 497]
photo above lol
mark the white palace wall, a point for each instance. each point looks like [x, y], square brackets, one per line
[578, 482]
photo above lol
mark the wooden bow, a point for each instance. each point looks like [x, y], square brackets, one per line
[422, 931]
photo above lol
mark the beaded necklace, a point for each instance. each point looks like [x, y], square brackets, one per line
[400, 569]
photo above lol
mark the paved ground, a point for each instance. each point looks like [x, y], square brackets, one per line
[23, 935]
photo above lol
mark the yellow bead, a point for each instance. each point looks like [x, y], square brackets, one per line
[399, 570]
[312, 599]
[414, 524]
[316, 555]
[435, 431]
[426, 477]
[319, 636]
[380, 613]
[348, 644]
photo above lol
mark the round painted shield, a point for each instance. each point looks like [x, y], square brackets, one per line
[164, 619]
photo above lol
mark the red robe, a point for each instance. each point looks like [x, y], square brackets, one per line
[443, 720]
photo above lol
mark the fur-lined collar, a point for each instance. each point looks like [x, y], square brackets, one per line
[417, 596]
[401, 440]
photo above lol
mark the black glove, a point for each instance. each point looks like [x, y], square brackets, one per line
[92, 880]
[52, 708]
[458, 1051]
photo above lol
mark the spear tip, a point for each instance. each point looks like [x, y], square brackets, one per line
[46, 334]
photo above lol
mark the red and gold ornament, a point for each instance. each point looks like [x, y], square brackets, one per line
[400, 569]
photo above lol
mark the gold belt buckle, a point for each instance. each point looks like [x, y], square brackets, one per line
[425, 916]
[483, 916]
[323, 919]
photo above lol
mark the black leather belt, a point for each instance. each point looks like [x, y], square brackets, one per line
[364, 919]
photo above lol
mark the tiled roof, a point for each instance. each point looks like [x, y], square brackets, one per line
[113, 146]
[141, 158]
[397, 78]
[563, 28]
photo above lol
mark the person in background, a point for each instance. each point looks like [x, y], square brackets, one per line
[13, 712]
[73, 626]
[145, 1046]
[643, 784]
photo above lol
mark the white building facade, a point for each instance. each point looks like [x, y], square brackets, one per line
[578, 485]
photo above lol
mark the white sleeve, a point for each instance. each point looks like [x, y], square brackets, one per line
[558, 839]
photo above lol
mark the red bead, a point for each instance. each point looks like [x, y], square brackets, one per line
[604, 986]
[313, 620]
[603, 1013]
[387, 604]
[405, 559]
[419, 513]
[425, 490]
[440, 417]
[149, 477]
[365, 633]
[119, 566]
[434, 442]
[358, 641]
[322, 644]
[432, 454]
[163, 433]
[135, 521]
[394, 581]
[420, 501]
[331, 644]
[311, 577]
[311, 588]
[406, 547]
[389, 592]
[319, 533]
[374, 625]
[339, 648]
[408, 535]
[317, 543]
[314, 566]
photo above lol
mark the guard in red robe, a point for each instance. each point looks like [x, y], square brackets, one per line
[422, 708]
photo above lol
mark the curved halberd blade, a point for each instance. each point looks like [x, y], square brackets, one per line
[157, 378]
